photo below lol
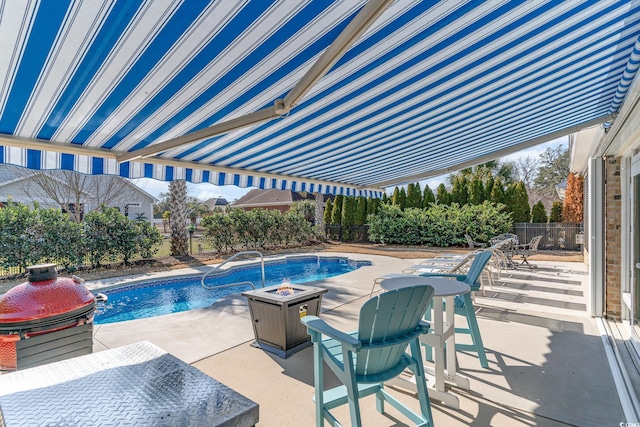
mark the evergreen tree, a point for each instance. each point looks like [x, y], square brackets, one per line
[361, 211]
[327, 212]
[402, 198]
[336, 212]
[519, 202]
[427, 197]
[373, 205]
[460, 190]
[573, 199]
[476, 195]
[395, 197]
[497, 193]
[414, 196]
[556, 212]
[348, 216]
[442, 196]
[385, 198]
[538, 213]
[488, 186]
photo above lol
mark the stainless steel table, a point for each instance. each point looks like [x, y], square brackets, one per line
[138, 384]
[444, 370]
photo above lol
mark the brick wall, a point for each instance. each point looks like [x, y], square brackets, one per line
[612, 215]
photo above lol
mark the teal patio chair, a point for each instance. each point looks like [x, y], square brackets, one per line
[464, 306]
[365, 359]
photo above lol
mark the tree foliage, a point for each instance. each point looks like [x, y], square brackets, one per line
[328, 207]
[442, 195]
[556, 212]
[538, 213]
[427, 197]
[554, 168]
[440, 225]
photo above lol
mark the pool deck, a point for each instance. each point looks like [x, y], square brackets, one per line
[547, 364]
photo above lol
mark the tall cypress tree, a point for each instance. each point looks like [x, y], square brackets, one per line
[442, 196]
[497, 193]
[348, 216]
[556, 212]
[414, 195]
[460, 190]
[336, 212]
[402, 198]
[538, 213]
[476, 195]
[361, 211]
[327, 212]
[427, 197]
[395, 197]
[519, 202]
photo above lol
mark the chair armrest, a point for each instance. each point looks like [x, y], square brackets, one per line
[460, 277]
[315, 324]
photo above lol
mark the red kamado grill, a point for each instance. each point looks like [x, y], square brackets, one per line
[45, 319]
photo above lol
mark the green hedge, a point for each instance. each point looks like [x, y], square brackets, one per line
[33, 235]
[439, 225]
[256, 229]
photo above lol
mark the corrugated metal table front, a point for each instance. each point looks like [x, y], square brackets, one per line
[138, 384]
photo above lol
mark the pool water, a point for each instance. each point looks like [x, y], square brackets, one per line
[158, 297]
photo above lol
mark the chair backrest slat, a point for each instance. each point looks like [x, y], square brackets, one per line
[479, 262]
[387, 317]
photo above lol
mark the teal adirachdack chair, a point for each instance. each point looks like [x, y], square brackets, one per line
[464, 307]
[363, 360]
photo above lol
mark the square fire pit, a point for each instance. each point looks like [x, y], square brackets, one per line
[275, 315]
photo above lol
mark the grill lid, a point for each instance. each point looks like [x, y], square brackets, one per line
[42, 298]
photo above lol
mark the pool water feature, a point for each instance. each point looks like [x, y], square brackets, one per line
[164, 296]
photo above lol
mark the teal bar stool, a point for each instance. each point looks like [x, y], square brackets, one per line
[389, 325]
[464, 307]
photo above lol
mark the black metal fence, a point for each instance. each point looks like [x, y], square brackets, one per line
[565, 236]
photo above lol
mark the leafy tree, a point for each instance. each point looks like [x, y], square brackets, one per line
[442, 195]
[328, 207]
[556, 212]
[427, 197]
[60, 237]
[306, 208]
[147, 239]
[178, 206]
[573, 199]
[336, 212]
[538, 213]
[196, 209]
[554, 168]
[17, 240]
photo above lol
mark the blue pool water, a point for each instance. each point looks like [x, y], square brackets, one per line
[158, 297]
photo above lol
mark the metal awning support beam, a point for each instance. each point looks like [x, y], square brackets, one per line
[501, 153]
[358, 25]
[82, 150]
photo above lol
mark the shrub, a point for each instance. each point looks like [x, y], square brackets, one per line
[538, 213]
[556, 212]
[440, 225]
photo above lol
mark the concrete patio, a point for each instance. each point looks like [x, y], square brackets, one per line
[547, 364]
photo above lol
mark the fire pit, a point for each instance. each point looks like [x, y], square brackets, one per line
[276, 312]
[45, 319]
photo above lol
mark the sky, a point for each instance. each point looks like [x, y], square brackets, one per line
[206, 191]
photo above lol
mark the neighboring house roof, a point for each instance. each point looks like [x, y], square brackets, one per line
[262, 198]
[10, 174]
[216, 202]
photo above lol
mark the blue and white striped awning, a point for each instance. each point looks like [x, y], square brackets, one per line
[331, 96]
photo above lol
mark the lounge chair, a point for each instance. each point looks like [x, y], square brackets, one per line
[365, 359]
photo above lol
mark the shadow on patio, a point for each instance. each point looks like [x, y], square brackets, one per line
[547, 366]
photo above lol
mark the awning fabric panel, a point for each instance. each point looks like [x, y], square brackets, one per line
[429, 87]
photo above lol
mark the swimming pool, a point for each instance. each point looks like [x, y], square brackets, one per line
[158, 297]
